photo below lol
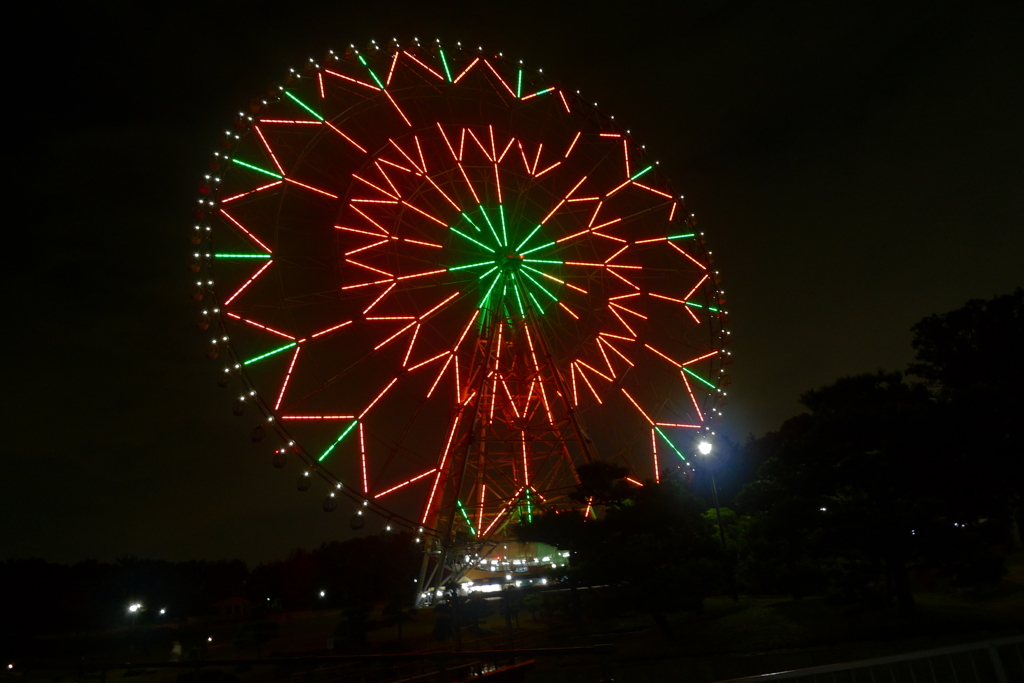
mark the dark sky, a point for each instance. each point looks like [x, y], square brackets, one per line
[856, 166]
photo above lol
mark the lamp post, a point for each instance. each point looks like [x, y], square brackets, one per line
[705, 449]
[133, 609]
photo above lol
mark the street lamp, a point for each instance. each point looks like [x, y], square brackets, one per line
[133, 609]
[705, 449]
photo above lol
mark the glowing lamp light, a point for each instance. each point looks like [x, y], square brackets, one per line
[135, 607]
[704, 447]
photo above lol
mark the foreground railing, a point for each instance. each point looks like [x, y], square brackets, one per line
[479, 665]
[989, 661]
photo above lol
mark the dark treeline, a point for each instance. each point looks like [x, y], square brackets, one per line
[42, 597]
[891, 472]
[889, 482]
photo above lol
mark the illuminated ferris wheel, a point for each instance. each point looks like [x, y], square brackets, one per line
[444, 282]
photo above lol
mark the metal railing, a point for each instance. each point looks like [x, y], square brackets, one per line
[988, 661]
[422, 667]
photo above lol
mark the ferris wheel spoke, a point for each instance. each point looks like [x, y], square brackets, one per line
[393, 195]
[420, 168]
[543, 91]
[248, 282]
[235, 222]
[345, 432]
[466, 70]
[697, 377]
[622, 321]
[693, 398]
[317, 417]
[387, 179]
[248, 193]
[268, 354]
[287, 378]
[270, 151]
[349, 79]
[421, 65]
[405, 483]
[261, 326]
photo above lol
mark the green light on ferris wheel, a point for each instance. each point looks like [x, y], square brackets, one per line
[470, 221]
[543, 246]
[304, 106]
[641, 173]
[444, 63]
[540, 286]
[465, 516]
[523, 243]
[257, 168]
[519, 298]
[669, 442]
[345, 433]
[535, 302]
[697, 377]
[471, 265]
[504, 231]
[490, 289]
[476, 242]
[268, 354]
[491, 226]
[362, 60]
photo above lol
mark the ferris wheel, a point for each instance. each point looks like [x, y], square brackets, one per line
[444, 281]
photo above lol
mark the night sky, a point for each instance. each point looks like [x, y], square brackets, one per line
[855, 167]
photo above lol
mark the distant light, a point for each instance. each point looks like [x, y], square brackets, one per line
[135, 607]
[322, 594]
[209, 639]
[704, 447]
[163, 610]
